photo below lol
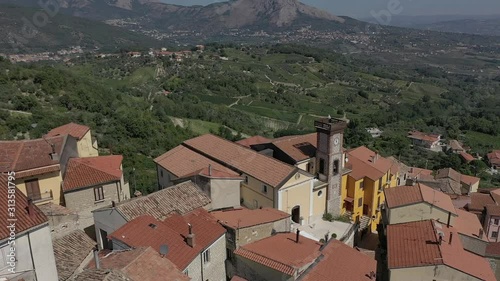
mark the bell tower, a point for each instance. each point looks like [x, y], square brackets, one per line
[329, 153]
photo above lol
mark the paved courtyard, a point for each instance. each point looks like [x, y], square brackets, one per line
[318, 228]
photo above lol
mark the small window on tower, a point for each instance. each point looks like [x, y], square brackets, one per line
[335, 167]
[322, 166]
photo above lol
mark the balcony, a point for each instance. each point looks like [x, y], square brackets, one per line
[42, 197]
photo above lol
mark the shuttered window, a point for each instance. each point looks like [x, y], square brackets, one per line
[33, 189]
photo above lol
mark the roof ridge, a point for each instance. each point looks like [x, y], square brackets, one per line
[421, 194]
[13, 166]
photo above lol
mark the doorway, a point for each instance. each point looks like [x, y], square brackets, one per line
[296, 214]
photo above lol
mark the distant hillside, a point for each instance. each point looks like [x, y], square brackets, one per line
[470, 26]
[247, 14]
[62, 31]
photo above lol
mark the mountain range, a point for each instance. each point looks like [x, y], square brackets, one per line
[240, 14]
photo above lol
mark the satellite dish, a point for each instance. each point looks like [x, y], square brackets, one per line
[163, 250]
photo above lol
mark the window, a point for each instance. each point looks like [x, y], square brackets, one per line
[322, 166]
[229, 254]
[33, 189]
[494, 234]
[335, 167]
[380, 184]
[308, 167]
[362, 184]
[246, 179]
[186, 272]
[98, 193]
[264, 188]
[161, 173]
[206, 256]
[360, 202]
[496, 221]
[320, 193]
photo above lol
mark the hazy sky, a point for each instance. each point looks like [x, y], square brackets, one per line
[363, 8]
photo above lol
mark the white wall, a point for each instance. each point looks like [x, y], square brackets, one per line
[33, 252]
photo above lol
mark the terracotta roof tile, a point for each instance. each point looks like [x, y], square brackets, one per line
[448, 173]
[280, 252]
[141, 264]
[467, 157]
[468, 224]
[181, 198]
[341, 263]
[416, 244]
[469, 180]
[242, 159]
[423, 136]
[90, 171]
[298, 148]
[29, 154]
[420, 173]
[213, 173]
[479, 200]
[182, 161]
[242, 218]
[102, 275]
[75, 130]
[248, 142]
[494, 157]
[237, 278]
[493, 210]
[146, 231]
[493, 249]
[367, 163]
[38, 171]
[25, 221]
[407, 195]
[70, 251]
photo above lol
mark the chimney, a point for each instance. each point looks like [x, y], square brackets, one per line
[209, 170]
[372, 275]
[451, 238]
[96, 258]
[137, 193]
[297, 236]
[481, 232]
[449, 220]
[410, 181]
[190, 237]
[30, 208]
[113, 204]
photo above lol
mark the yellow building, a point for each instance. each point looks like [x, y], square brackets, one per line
[85, 146]
[363, 186]
[38, 165]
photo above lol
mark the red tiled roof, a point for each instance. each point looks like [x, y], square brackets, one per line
[423, 136]
[469, 180]
[29, 154]
[448, 173]
[281, 253]
[248, 142]
[494, 157]
[493, 210]
[407, 195]
[24, 221]
[172, 232]
[245, 160]
[367, 163]
[144, 264]
[181, 198]
[38, 171]
[467, 157]
[242, 218]
[341, 263]
[182, 161]
[75, 130]
[416, 244]
[479, 201]
[90, 171]
[298, 148]
[468, 224]
[420, 173]
[237, 278]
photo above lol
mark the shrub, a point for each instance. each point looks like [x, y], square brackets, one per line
[327, 217]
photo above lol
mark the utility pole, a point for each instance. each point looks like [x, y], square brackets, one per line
[135, 181]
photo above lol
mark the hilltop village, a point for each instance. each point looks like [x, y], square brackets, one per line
[298, 207]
